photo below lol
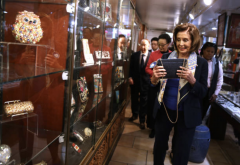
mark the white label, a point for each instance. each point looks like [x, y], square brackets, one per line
[65, 75]
[70, 8]
[61, 139]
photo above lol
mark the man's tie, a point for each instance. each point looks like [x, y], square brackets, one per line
[121, 55]
[142, 61]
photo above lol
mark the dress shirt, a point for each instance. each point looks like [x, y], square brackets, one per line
[210, 75]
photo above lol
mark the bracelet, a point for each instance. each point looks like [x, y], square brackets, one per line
[154, 83]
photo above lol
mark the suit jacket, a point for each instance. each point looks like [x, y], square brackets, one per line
[190, 96]
[139, 79]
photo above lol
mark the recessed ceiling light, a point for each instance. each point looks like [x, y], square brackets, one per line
[207, 2]
[214, 28]
[203, 32]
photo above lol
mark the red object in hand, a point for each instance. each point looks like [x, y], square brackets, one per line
[76, 147]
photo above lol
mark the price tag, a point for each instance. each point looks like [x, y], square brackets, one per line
[61, 139]
[65, 75]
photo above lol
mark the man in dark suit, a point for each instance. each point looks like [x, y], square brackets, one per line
[139, 82]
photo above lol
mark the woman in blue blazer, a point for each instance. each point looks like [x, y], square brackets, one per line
[178, 101]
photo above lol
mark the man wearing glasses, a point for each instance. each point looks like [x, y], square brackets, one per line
[164, 41]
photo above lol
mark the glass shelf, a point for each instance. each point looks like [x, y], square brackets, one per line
[91, 65]
[90, 14]
[11, 80]
[5, 119]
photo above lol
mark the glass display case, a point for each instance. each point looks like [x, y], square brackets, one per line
[226, 109]
[64, 70]
[230, 101]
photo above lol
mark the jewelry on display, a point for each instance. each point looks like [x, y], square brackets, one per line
[98, 124]
[80, 111]
[88, 132]
[76, 148]
[78, 135]
[82, 89]
[17, 107]
[5, 153]
[98, 88]
[27, 28]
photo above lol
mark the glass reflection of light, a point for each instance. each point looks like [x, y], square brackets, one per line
[86, 9]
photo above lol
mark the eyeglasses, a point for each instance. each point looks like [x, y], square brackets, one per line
[162, 45]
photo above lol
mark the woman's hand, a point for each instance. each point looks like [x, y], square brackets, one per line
[158, 72]
[186, 74]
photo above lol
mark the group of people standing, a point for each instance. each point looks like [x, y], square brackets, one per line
[179, 103]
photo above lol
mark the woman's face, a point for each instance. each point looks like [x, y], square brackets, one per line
[183, 42]
[208, 53]
[163, 45]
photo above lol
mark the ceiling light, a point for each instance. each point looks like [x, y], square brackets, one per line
[214, 25]
[98, 26]
[207, 2]
[5, 12]
[203, 32]
[191, 16]
[177, 20]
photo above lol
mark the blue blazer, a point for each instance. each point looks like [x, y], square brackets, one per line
[190, 96]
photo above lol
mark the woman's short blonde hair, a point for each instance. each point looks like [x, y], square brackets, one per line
[193, 32]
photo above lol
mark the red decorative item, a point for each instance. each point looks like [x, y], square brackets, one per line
[107, 9]
[76, 148]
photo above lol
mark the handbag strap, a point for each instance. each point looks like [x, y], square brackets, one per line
[184, 64]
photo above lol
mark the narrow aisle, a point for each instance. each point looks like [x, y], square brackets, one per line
[136, 148]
